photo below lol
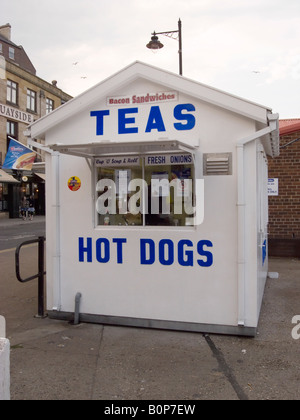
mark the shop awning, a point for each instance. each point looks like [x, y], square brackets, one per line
[4, 177]
[40, 175]
[92, 150]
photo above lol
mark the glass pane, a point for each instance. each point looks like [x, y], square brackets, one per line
[164, 197]
[170, 194]
[114, 195]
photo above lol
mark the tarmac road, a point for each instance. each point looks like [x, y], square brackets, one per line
[15, 231]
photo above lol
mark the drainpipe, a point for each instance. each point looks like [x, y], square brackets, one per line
[55, 196]
[241, 204]
[57, 240]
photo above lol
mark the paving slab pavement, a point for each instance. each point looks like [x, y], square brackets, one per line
[54, 360]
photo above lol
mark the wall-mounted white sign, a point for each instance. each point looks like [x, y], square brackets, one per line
[273, 189]
[142, 98]
[176, 159]
[15, 114]
[117, 161]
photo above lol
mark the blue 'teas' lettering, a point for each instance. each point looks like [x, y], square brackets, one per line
[147, 248]
[204, 253]
[155, 121]
[189, 118]
[85, 250]
[99, 122]
[123, 121]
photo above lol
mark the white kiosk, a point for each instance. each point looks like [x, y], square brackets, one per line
[116, 237]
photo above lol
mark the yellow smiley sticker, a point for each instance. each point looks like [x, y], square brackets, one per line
[74, 183]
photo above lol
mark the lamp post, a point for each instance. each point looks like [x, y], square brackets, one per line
[155, 44]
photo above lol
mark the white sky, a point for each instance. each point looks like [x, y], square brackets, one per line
[250, 48]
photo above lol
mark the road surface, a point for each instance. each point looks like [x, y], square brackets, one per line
[15, 231]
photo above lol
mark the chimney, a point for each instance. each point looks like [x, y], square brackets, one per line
[5, 30]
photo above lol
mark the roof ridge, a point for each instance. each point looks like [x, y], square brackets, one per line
[289, 119]
[289, 126]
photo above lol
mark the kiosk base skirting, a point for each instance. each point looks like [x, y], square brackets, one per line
[156, 324]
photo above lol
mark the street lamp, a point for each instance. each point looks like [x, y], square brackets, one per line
[155, 44]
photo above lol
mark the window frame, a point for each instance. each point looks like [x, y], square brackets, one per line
[143, 169]
[31, 101]
[11, 133]
[12, 96]
[11, 53]
[49, 105]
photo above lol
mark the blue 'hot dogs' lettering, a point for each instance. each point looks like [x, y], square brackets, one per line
[165, 252]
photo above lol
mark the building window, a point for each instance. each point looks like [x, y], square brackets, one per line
[31, 100]
[156, 190]
[11, 53]
[11, 131]
[1, 50]
[49, 105]
[12, 92]
[3, 196]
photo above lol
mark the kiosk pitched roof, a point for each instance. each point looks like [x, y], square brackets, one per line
[172, 81]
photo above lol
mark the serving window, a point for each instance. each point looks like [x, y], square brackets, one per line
[149, 190]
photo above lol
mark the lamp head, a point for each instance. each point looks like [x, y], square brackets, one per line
[154, 44]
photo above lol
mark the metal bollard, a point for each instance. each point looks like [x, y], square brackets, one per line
[39, 276]
[76, 312]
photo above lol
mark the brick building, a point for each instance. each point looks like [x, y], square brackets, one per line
[24, 98]
[284, 209]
